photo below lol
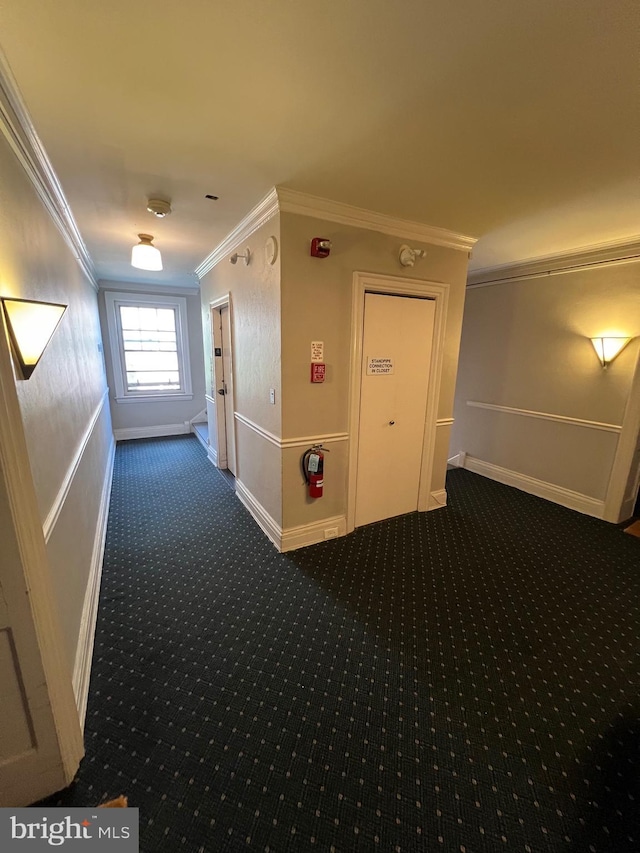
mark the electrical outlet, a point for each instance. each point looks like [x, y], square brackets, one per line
[331, 533]
[272, 396]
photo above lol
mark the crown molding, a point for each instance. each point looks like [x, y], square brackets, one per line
[614, 251]
[146, 287]
[17, 128]
[292, 201]
[257, 216]
[283, 200]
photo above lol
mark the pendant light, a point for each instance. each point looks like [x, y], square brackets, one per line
[145, 256]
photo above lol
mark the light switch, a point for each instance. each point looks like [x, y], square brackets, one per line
[272, 396]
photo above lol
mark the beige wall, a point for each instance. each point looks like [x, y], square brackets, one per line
[131, 415]
[277, 311]
[64, 393]
[316, 305]
[525, 345]
[255, 317]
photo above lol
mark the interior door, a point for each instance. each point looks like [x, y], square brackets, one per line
[396, 358]
[227, 379]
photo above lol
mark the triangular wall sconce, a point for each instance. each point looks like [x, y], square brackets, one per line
[31, 325]
[608, 348]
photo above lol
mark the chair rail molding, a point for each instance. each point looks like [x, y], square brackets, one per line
[547, 416]
[54, 513]
[296, 441]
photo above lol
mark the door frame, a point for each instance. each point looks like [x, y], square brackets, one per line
[220, 446]
[395, 286]
[624, 478]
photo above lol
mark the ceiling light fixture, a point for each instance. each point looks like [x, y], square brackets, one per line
[31, 325]
[159, 207]
[608, 348]
[145, 256]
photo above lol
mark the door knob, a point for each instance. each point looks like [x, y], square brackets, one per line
[221, 391]
[391, 423]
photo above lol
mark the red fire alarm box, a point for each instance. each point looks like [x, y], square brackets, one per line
[320, 247]
[318, 370]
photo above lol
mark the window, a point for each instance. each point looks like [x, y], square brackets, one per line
[149, 347]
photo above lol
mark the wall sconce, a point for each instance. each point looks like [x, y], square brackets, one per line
[244, 258]
[145, 256]
[408, 256]
[608, 348]
[31, 325]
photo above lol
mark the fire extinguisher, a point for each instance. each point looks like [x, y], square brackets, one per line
[312, 470]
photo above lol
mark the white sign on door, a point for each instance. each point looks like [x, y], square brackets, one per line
[317, 350]
[377, 366]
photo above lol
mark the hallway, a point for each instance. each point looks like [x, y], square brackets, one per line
[461, 680]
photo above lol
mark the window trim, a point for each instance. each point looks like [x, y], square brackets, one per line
[114, 300]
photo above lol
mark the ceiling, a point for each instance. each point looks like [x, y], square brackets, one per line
[515, 122]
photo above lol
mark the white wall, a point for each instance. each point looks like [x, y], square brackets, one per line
[525, 346]
[66, 424]
[139, 416]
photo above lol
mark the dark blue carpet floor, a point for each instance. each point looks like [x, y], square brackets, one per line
[464, 680]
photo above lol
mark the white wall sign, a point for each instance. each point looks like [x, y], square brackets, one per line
[317, 350]
[377, 366]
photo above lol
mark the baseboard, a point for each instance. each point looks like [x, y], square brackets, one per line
[457, 461]
[84, 649]
[437, 499]
[290, 538]
[267, 524]
[202, 441]
[212, 455]
[152, 431]
[548, 491]
[310, 534]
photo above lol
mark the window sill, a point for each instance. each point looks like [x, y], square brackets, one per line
[154, 398]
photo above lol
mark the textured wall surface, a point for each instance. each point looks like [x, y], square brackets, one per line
[61, 398]
[525, 345]
[255, 329]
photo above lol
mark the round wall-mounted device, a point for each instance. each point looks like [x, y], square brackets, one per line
[159, 207]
